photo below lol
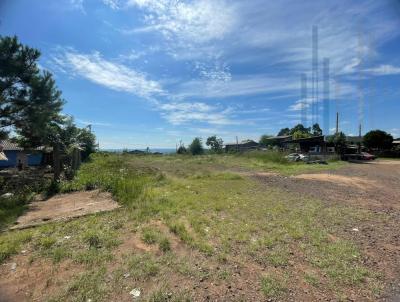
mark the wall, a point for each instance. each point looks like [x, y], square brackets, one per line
[34, 159]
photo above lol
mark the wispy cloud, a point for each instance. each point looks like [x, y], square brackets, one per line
[106, 73]
[384, 70]
[93, 123]
[185, 112]
[113, 4]
[238, 86]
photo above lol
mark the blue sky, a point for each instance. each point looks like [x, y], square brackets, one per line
[154, 72]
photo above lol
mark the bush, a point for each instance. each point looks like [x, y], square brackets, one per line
[196, 147]
[181, 150]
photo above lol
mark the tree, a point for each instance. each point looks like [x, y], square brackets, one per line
[300, 134]
[17, 69]
[87, 141]
[215, 143]
[30, 103]
[40, 112]
[378, 139]
[316, 130]
[266, 140]
[339, 140]
[284, 131]
[300, 128]
[196, 147]
[181, 150]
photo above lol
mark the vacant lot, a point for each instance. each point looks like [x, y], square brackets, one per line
[226, 228]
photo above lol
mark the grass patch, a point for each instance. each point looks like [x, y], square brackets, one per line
[89, 286]
[11, 243]
[273, 286]
[12, 207]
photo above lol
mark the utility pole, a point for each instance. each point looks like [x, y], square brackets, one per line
[303, 97]
[326, 105]
[337, 122]
[237, 144]
[315, 79]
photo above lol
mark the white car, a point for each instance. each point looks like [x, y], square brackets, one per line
[293, 157]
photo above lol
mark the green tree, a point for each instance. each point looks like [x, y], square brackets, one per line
[300, 134]
[181, 150]
[339, 140]
[378, 139]
[316, 130]
[284, 131]
[215, 143]
[196, 147]
[17, 69]
[30, 103]
[40, 112]
[300, 128]
[265, 140]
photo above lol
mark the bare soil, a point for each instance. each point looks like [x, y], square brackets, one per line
[374, 186]
[65, 207]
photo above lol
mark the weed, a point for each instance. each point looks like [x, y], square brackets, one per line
[164, 245]
[273, 286]
[149, 236]
[142, 267]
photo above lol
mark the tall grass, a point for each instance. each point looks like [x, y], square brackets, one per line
[111, 173]
[12, 207]
[267, 156]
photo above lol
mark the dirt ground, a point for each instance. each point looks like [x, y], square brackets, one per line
[64, 207]
[370, 185]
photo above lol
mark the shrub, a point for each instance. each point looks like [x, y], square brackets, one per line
[196, 147]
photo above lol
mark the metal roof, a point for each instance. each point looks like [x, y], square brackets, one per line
[9, 146]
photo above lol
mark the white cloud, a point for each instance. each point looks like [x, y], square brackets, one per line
[238, 86]
[106, 73]
[192, 22]
[384, 70]
[113, 4]
[93, 123]
[301, 104]
[181, 113]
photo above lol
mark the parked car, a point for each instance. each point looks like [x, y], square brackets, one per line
[367, 156]
[297, 157]
[293, 157]
[358, 156]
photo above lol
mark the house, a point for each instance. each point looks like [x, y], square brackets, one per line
[354, 140]
[245, 145]
[279, 141]
[314, 145]
[12, 155]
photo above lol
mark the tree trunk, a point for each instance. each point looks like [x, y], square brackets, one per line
[56, 162]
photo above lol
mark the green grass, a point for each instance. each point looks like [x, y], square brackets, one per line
[273, 285]
[219, 216]
[10, 243]
[12, 207]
